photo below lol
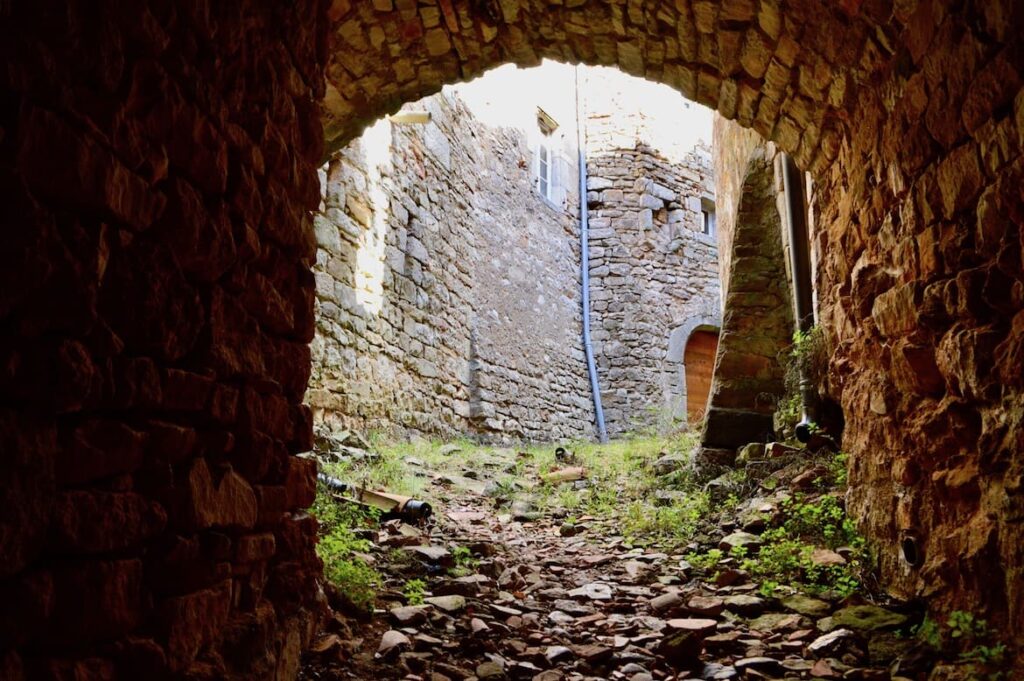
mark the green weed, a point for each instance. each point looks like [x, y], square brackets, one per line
[340, 547]
[414, 591]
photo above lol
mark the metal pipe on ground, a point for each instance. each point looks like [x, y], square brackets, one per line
[800, 266]
[396, 505]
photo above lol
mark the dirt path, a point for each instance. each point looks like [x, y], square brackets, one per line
[510, 592]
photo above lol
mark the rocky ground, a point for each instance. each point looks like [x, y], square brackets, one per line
[515, 578]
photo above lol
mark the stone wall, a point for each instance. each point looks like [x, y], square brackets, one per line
[448, 288]
[146, 354]
[654, 274]
[157, 169]
[756, 284]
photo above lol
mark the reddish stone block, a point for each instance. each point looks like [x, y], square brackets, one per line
[99, 449]
[223, 406]
[29, 600]
[29, 444]
[227, 502]
[300, 483]
[180, 565]
[134, 383]
[91, 668]
[915, 370]
[187, 624]
[302, 440]
[185, 390]
[170, 442]
[68, 167]
[235, 338]
[272, 502]
[254, 547]
[267, 413]
[55, 374]
[895, 311]
[960, 179]
[202, 240]
[95, 601]
[149, 304]
[991, 89]
[99, 522]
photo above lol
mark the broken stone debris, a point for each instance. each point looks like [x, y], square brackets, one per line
[540, 604]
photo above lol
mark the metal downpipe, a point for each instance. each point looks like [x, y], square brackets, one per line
[800, 266]
[588, 348]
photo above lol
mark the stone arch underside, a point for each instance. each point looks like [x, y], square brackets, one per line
[159, 161]
[753, 62]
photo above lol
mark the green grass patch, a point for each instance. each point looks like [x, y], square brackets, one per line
[340, 548]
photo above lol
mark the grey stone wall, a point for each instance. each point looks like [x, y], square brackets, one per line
[654, 274]
[448, 290]
[758, 324]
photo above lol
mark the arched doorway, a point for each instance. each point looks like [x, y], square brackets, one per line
[699, 365]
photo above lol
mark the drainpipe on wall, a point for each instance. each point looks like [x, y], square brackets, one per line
[588, 348]
[800, 265]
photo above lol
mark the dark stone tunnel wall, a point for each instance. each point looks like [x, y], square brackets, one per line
[157, 169]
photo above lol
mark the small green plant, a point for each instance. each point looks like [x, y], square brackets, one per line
[705, 561]
[465, 562]
[969, 639]
[966, 626]
[929, 632]
[414, 591]
[837, 468]
[767, 588]
[806, 357]
[340, 548]
[787, 551]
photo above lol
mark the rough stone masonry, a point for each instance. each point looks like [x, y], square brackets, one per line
[158, 172]
[449, 290]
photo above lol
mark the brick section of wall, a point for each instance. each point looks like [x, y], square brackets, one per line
[473, 324]
[652, 272]
[157, 169]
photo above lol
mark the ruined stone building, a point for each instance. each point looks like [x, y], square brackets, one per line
[165, 250]
[448, 269]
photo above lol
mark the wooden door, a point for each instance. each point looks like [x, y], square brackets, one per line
[699, 360]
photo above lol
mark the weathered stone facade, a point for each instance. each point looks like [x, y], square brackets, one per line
[154, 338]
[654, 274]
[474, 324]
[758, 325]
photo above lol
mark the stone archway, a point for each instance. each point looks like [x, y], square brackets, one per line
[674, 368]
[158, 165]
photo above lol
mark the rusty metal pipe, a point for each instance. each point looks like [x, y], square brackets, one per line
[800, 266]
[395, 505]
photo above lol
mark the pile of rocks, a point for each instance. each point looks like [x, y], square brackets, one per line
[538, 602]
